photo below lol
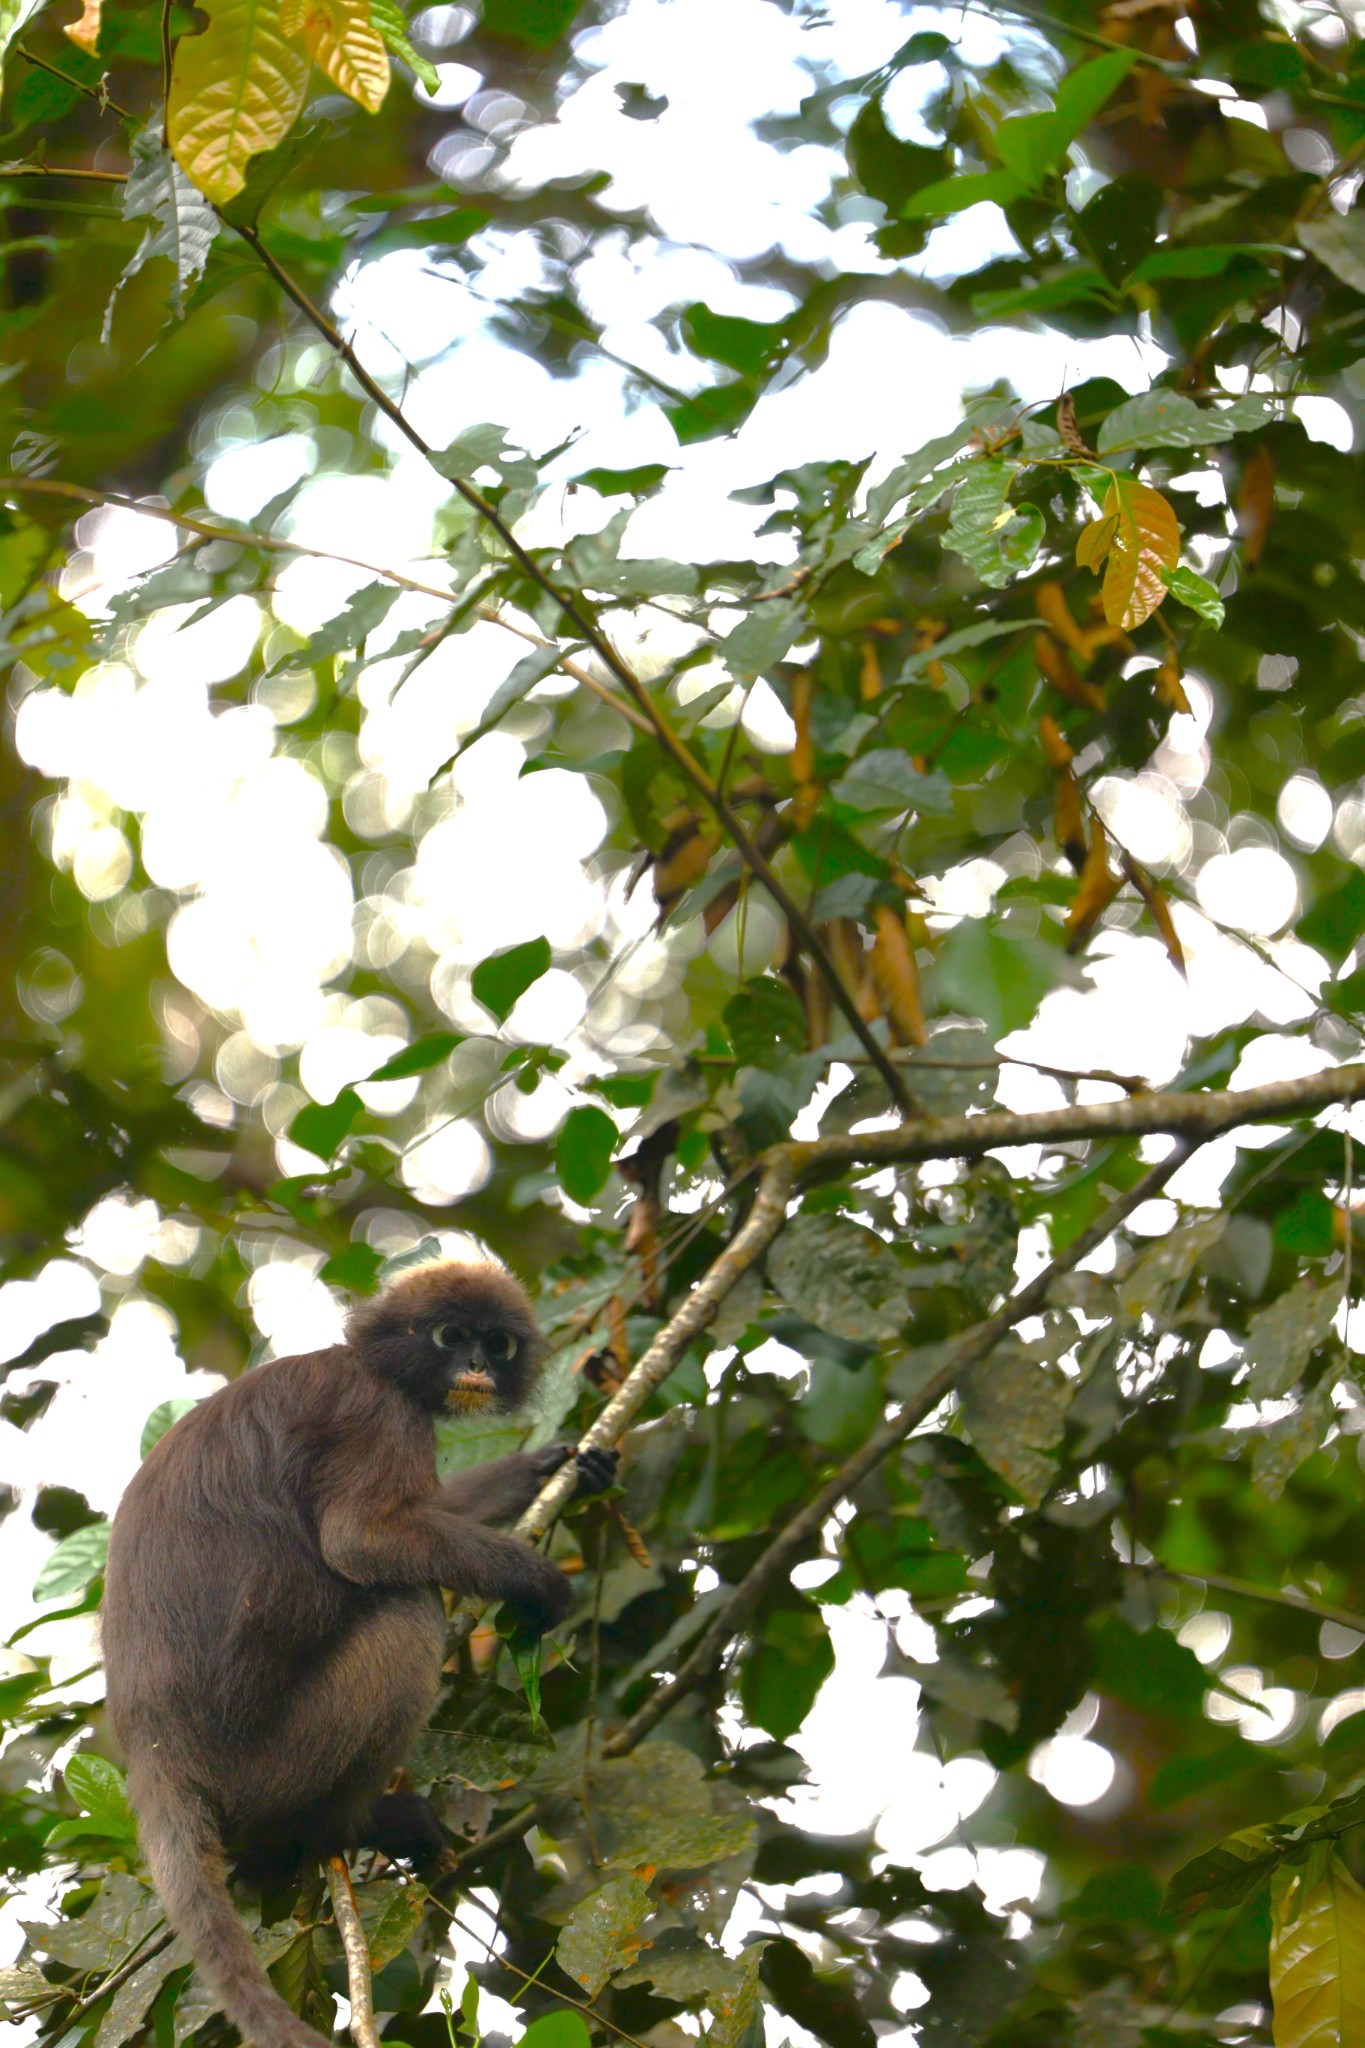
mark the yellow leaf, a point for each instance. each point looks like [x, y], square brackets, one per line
[86, 31]
[1146, 541]
[1094, 541]
[343, 42]
[236, 91]
[1317, 1957]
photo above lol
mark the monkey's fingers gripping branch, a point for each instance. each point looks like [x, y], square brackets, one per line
[1194, 1116]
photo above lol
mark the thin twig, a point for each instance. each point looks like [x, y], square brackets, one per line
[92, 92]
[63, 171]
[587, 629]
[246, 537]
[1247, 1589]
[165, 70]
[364, 2033]
[698, 1309]
[958, 1356]
[531, 1977]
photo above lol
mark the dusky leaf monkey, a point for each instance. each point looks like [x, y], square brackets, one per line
[273, 1627]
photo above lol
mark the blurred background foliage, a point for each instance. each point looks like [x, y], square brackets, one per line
[359, 899]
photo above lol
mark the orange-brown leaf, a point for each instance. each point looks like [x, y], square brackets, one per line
[85, 33]
[1155, 899]
[1050, 601]
[1095, 540]
[1095, 891]
[1170, 691]
[1069, 819]
[1146, 541]
[1256, 503]
[896, 977]
[1055, 664]
[1057, 750]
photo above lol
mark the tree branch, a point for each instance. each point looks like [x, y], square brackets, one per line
[587, 629]
[363, 2030]
[961, 1353]
[697, 1310]
[1197, 1114]
[1247, 1589]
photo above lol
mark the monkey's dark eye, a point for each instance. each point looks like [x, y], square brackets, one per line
[446, 1336]
[499, 1346]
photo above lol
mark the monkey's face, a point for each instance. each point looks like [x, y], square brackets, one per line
[480, 1367]
[458, 1339]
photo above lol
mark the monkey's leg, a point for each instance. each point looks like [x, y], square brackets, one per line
[310, 1783]
[403, 1824]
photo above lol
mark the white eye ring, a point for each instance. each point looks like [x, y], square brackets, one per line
[446, 1336]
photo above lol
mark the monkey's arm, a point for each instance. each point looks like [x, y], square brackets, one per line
[504, 1488]
[421, 1543]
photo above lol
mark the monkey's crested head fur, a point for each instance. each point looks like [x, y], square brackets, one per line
[452, 1336]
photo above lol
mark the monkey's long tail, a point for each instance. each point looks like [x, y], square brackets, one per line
[180, 1841]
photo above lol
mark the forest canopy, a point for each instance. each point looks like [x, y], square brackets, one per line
[714, 650]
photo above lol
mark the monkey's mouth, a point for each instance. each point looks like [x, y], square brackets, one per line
[470, 1388]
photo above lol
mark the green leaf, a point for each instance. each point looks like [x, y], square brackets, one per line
[1031, 145]
[887, 780]
[482, 1733]
[1014, 1408]
[498, 981]
[559, 2029]
[887, 168]
[391, 1914]
[320, 1127]
[1317, 1955]
[17, 1689]
[236, 90]
[1191, 589]
[996, 974]
[74, 1563]
[99, 1789]
[968, 1689]
[160, 1420]
[584, 1150]
[538, 24]
[1148, 1670]
[841, 1277]
[783, 1671]
[182, 226]
[744, 345]
[14, 14]
[1290, 1442]
[954, 195]
[766, 1023]
[417, 1058]
[1282, 1337]
[1337, 240]
[762, 638]
[1119, 224]
[389, 19]
[601, 1936]
[1167, 419]
[1224, 1876]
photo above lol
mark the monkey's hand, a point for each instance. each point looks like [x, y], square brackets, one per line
[597, 1470]
[596, 1467]
[538, 1594]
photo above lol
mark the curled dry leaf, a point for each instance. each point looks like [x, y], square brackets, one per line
[1069, 819]
[1056, 666]
[1057, 750]
[1155, 899]
[1098, 887]
[85, 33]
[1256, 503]
[1170, 691]
[896, 977]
